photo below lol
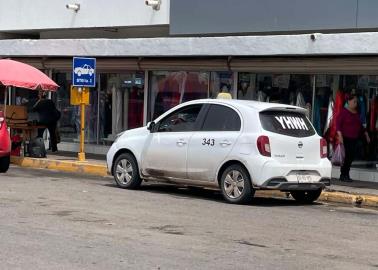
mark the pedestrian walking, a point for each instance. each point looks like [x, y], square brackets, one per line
[49, 117]
[349, 129]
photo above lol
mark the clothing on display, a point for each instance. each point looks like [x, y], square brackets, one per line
[261, 96]
[317, 116]
[329, 116]
[339, 105]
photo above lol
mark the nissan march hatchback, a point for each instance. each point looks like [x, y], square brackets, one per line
[236, 146]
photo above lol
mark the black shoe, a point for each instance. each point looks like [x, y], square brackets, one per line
[345, 178]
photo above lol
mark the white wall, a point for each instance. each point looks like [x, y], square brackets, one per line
[52, 14]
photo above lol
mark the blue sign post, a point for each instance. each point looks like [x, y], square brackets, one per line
[84, 72]
[83, 76]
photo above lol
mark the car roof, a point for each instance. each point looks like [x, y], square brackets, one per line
[249, 104]
[239, 104]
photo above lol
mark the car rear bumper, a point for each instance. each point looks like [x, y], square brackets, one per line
[283, 185]
[274, 175]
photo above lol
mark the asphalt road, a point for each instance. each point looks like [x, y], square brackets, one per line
[51, 220]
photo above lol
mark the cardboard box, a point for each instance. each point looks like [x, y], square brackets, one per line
[14, 112]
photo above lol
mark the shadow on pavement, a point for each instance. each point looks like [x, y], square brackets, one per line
[210, 195]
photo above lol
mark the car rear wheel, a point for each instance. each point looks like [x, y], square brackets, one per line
[236, 185]
[126, 173]
[4, 164]
[306, 196]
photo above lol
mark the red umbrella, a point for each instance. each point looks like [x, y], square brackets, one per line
[17, 74]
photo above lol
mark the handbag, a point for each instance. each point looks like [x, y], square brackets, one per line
[339, 155]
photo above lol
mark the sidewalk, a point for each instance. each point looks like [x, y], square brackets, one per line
[359, 193]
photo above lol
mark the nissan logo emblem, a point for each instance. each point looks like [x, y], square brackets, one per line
[300, 144]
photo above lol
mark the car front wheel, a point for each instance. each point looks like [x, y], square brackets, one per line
[306, 196]
[125, 170]
[4, 164]
[236, 185]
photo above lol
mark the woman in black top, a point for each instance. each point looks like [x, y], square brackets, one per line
[48, 116]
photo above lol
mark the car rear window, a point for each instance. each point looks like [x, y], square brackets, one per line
[287, 123]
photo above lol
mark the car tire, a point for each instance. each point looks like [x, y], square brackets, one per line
[126, 172]
[306, 197]
[4, 164]
[79, 73]
[236, 186]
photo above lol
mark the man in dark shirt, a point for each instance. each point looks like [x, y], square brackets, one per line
[48, 116]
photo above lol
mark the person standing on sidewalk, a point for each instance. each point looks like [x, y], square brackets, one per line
[48, 116]
[349, 129]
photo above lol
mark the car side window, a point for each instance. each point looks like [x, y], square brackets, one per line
[221, 118]
[181, 120]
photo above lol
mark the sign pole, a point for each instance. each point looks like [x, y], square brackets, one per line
[83, 76]
[81, 154]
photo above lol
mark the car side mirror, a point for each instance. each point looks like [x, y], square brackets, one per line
[151, 126]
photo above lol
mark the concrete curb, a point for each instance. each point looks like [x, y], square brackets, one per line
[61, 165]
[362, 200]
[328, 195]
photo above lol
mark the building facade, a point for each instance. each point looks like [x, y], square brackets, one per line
[149, 58]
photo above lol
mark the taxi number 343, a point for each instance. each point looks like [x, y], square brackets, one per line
[209, 142]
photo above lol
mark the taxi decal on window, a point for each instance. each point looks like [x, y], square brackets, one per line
[292, 122]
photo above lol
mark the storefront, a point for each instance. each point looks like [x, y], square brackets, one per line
[129, 93]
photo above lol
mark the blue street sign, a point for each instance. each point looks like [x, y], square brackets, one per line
[84, 72]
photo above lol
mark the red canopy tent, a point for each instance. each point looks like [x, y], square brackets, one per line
[18, 74]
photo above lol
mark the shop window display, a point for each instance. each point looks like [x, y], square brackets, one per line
[221, 82]
[366, 90]
[121, 103]
[69, 123]
[293, 89]
[168, 89]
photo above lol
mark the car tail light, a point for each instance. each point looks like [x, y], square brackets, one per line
[2, 119]
[323, 148]
[264, 146]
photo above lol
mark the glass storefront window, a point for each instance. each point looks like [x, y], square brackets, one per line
[116, 104]
[221, 81]
[293, 89]
[168, 89]
[121, 102]
[69, 123]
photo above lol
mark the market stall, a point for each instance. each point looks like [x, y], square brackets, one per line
[17, 74]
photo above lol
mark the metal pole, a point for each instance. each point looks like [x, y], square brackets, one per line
[5, 101]
[81, 155]
[313, 99]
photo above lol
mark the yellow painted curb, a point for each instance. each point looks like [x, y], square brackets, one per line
[332, 196]
[61, 165]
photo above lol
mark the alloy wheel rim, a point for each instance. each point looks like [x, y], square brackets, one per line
[124, 171]
[234, 184]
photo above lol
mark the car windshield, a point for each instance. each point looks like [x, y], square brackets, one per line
[286, 123]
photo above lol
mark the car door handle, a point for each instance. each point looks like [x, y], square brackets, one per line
[225, 143]
[181, 142]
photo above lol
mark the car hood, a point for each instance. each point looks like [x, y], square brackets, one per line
[134, 132]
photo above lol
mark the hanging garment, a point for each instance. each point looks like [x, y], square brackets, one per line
[261, 96]
[300, 101]
[362, 110]
[339, 104]
[329, 116]
[373, 114]
[316, 121]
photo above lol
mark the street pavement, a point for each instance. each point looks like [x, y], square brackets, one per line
[53, 220]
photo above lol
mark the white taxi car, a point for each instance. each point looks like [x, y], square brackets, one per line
[237, 146]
